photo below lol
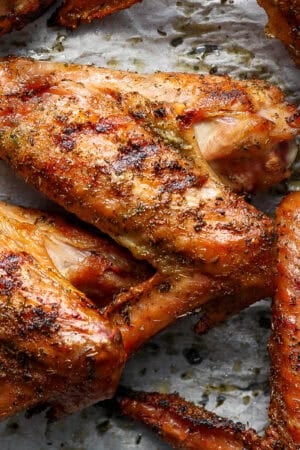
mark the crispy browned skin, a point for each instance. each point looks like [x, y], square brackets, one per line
[74, 12]
[185, 425]
[132, 168]
[15, 14]
[284, 23]
[245, 129]
[56, 350]
[92, 263]
[285, 341]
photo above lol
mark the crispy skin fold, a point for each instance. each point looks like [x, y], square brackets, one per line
[185, 425]
[55, 349]
[132, 168]
[284, 23]
[91, 262]
[15, 14]
[285, 341]
[74, 12]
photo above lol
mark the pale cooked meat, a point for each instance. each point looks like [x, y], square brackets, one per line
[284, 23]
[285, 340]
[15, 14]
[74, 12]
[136, 173]
[92, 263]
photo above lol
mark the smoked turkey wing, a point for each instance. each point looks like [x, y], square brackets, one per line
[132, 168]
[74, 12]
[284, 23]
[56, 350]
[285, 341]
[15, 14]
[245, 129]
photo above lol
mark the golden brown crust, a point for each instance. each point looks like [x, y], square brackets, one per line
[74, 12]
[285, 341]
[284, 23]
[243, 127]
[185, 425]
[131, 167]
[56, 350]
[15, 14]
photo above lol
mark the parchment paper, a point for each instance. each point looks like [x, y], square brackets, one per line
[232, 377]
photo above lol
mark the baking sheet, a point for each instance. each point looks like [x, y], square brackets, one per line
[232, 378]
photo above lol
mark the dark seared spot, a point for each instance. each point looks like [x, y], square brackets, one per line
[160, 112]
[163, 403]
[91, 368]
[105, 126]
[189, 117]
[37, 319]
[34, 88]
[68, 144]
[164, 287]
[10, 266]
[181, 185]
[133, 155]
[139, 115]
[169, 165]
[69, 130]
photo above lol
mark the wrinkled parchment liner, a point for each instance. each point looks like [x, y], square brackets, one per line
[232, 378]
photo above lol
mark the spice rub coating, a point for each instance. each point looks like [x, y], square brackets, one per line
[285, 340]
[119, 163]
[184, 425]
[56, 351]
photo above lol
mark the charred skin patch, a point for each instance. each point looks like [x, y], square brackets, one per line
[134, 154]
[10, 269]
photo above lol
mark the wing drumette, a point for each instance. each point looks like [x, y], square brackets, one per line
[132, 168]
